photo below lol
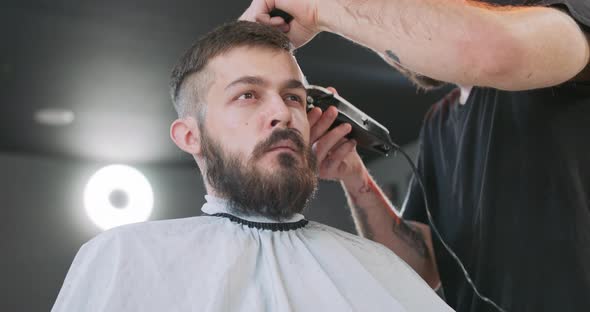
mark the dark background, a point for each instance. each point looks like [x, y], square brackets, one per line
[109, 62]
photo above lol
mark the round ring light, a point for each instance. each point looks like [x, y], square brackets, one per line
[117, 195]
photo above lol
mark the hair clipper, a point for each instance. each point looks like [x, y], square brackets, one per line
[368, 133]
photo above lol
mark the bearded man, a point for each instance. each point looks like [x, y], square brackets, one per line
[241, 101]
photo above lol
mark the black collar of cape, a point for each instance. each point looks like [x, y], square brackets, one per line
[275, 227]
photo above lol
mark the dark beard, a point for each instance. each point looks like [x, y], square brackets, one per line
[277, 195]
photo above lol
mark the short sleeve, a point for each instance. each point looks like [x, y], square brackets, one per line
[578, 9]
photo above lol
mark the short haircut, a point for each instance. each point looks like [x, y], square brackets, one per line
[222, 39]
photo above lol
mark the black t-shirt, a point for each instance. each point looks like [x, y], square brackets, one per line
[508, 183]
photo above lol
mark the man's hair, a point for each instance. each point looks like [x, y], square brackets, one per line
[219, 41]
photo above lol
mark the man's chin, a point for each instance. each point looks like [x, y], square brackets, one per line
[281, 160]
[290, 159]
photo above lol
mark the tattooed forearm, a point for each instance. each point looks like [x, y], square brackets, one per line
[393, 57]
[412, 237]
[360, 215]
[394, 61]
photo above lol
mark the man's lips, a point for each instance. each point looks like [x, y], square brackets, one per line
[282, 149]
[285, 145]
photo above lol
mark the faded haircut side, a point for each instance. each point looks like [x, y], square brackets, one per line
[190, 80]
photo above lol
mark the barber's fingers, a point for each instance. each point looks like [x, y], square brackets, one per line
[265, 18]
[259, 11]
[337, 146]
[329, 140]
[313, 116]
[322, 125]
[278, 21]
[337, 156]
[256, 7]
[315, 113]
[340, 142]
[275, 21]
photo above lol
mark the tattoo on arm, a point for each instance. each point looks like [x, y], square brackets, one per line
[393, 57]
[360, 215]
[395, 62]
[412, 237]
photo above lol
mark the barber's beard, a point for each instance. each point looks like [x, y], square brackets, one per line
[276, 194]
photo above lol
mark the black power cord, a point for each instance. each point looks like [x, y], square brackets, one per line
[435, 230]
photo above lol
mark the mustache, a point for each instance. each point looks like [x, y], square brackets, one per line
[279, 135]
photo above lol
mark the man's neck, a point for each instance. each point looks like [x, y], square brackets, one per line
[222, 205]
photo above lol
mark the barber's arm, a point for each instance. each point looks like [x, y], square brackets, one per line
[462, 42]
[411, 241]
[372, 211]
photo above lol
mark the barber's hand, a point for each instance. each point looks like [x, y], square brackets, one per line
[302, 28]
[337, 156]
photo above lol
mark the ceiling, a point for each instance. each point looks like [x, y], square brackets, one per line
[109, 61]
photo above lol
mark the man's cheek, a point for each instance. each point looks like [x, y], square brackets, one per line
[304, 127]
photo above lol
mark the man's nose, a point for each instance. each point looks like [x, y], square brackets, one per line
[279, 113]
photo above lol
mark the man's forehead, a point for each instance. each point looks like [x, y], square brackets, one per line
[268, 65]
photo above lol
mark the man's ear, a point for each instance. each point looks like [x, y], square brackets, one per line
[186, 135]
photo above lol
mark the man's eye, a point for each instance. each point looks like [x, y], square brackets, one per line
[293, 97]
[246, 96]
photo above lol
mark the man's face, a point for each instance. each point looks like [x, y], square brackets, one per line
[255, 134]
[254, 92]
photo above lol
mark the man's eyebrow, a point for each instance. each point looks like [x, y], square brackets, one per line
[255, 80]
[251, 80]
[293, 84]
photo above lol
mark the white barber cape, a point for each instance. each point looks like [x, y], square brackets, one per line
[222, 263]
